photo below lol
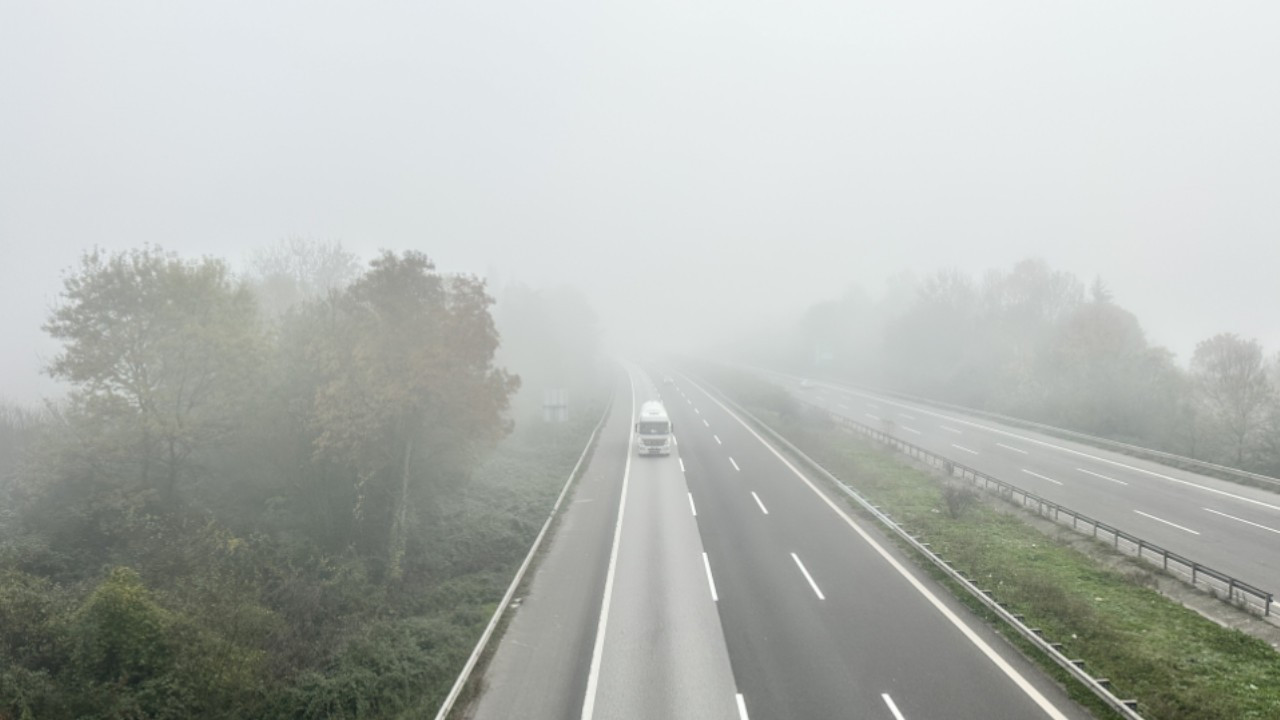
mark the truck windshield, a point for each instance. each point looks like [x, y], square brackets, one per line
[654, 428]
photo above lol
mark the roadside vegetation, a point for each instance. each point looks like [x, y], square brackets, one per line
[1039, 344]
[297, 495]
[1174, 661]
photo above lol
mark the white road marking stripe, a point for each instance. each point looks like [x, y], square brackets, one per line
[597, 652]
[842, 406]
[705, 423]
[961, 447]
[1246, 522]
[717, 437]
[893, 708]
[909, 417]
[681, 464]
[1166, 522]
[735, 465]
[1009, 671]
[1042, 477]
[742, 708]
[1079, 453]
[673, 441]
[1104, 477]
[951, 430]
[873, 406]
[710, 580]
[1010, 447]
[692, 509]
[763, 509]
[910, 429]
[808, 577]
[696, 410]
[873, 417]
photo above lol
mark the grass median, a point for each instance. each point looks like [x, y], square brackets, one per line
[1177, 663]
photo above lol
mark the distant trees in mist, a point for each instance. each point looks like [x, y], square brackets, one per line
[1038, 343]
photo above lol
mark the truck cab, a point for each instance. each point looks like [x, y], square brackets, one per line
[653, 430]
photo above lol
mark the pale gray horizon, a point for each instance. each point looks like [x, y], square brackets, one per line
[695, 168]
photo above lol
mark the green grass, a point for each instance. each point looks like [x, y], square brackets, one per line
[1177, 663]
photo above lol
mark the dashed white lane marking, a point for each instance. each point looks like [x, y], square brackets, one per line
[910, 429]
[696, 410]
[1166, 522]
[842, 406]
[1246, 522]
[873, 417]
[905, 415]
[1042, 477]
[995, 658]
[710, 580]
[893, 707]
[808, 577]
[1104, 477]
[673, 440]
[705, 423]
[951, 429]
[742, 708]
[717, 437]
[681, 464]
[1015, 449]
[961, 447]
[692, 509]
[763, 509]
[735, 465]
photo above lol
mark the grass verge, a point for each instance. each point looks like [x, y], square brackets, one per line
[1177, 663]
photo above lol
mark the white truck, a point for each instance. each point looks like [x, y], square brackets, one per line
[653, 430]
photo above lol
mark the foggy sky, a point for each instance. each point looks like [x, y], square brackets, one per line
[693, 166]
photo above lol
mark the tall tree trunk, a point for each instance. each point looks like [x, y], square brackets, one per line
[399, 530]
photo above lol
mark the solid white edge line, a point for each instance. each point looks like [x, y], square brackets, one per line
[961, 447]
[763, 509]
[807, 576]
[597, 651]
[1166, 522]
[692, 509]
[742, 708]
[1042, 477]
[1104, 477]
[735, 465]
[1012, 673]
[711, 582]
[1246, 522]
[893, 707]
[1051, 446]
[1010, 447]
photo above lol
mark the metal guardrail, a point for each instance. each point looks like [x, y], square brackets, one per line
[1179, 461]
[446, 707]
[1226, 587]
[1101, 687]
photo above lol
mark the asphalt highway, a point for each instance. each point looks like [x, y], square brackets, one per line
[720, 582]
[1230, 527]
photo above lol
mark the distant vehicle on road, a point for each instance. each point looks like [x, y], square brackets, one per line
[653, 430]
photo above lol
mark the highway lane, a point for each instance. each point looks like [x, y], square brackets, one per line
[819, 621]
[619, 621]
[1227, 526]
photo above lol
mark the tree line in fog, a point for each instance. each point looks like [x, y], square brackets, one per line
[1042, 345]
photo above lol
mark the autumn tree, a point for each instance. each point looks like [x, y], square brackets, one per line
[1233, 391]
[158, 350]
[409, 389]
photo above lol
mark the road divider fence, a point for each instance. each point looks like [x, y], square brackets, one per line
[1101, 687]
[1221, 585]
